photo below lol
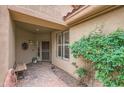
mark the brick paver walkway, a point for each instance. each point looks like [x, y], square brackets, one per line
[40, 75]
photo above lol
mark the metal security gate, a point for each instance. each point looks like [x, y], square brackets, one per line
[45, 51]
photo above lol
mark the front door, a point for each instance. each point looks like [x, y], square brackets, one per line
[45, 51]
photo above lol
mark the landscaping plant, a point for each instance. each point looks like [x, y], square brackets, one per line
[106, 52]
[81, 72]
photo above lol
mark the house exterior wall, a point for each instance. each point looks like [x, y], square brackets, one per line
[11, 43]
[7, 53]
[23, 56]
[107, 23]
[22, 35]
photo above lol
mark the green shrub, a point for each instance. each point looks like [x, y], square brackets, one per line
[107, 54]
[81, 72]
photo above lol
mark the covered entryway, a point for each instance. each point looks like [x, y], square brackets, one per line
[33, 42]
[33, 34]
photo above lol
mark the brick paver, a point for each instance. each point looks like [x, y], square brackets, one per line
[40, 75]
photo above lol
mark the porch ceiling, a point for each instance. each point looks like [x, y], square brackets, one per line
[33, 28]
[27, 16]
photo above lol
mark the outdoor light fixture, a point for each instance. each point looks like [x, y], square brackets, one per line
[30, 41]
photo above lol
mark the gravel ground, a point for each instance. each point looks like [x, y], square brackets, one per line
[40, 75]
[46, 75]
[69, 80]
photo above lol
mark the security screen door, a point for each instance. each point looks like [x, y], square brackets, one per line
[45, 51]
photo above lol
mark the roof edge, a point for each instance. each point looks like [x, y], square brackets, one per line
[88, 12]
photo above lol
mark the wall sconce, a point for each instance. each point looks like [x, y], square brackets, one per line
[30, 41]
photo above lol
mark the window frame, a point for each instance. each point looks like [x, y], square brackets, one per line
[57, 44]
[63, 45]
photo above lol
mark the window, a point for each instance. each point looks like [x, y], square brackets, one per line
[62, 45]
[59, 44]
[65, 45]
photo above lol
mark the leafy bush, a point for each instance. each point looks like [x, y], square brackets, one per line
[81, 72]
[107, 54]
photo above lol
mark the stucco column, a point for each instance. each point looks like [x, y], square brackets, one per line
[4, 42]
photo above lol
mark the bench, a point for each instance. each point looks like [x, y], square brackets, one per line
[20, 68]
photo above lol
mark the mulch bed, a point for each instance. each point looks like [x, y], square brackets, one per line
[64, 76]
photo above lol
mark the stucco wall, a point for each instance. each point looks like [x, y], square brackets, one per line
[25, 56]
[107, 22]
[6, 43]
[11, 43]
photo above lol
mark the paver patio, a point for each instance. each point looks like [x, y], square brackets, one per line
[40, 75]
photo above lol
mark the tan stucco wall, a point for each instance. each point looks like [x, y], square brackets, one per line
[11, 43]
[25, 56]
[110, 22]
[6, 43]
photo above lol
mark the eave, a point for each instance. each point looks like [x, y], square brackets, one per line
[87, 13]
